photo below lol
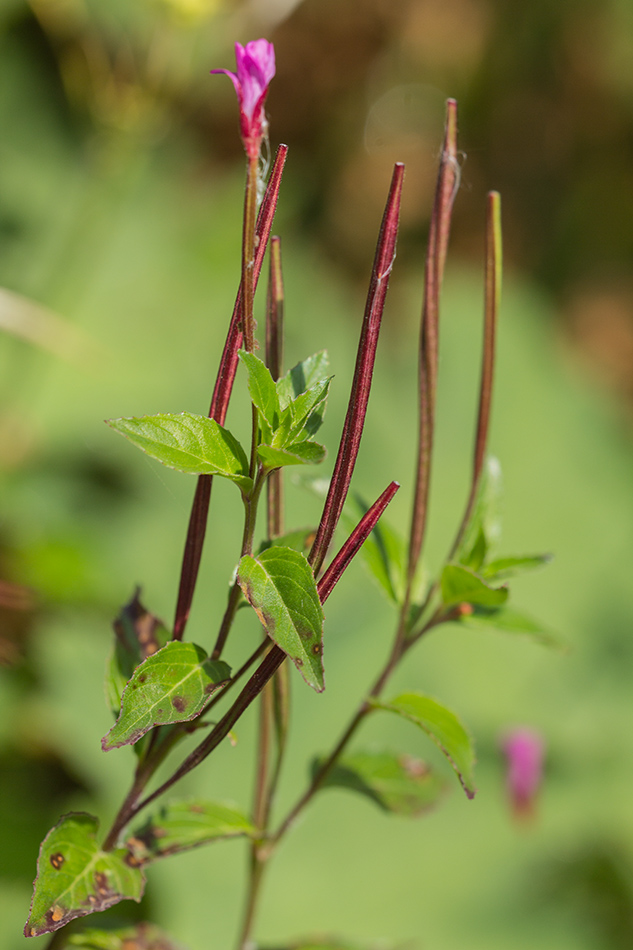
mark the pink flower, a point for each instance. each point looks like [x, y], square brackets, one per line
[524, 751]
[255, 69]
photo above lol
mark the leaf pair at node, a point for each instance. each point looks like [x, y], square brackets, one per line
[289, 411]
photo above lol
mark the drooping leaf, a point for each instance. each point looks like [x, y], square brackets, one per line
[443, 727]
[503, 568]
[189, 443]
[75, 878]
[383, 553]
[297, 453]
[300, 540]
[173, 685]
[399, 784]
[462, 586]
[486, 513]
[302, 377]
[179, 826]
[140, 937]
[280, 586]
[511, 620]
[138, 634]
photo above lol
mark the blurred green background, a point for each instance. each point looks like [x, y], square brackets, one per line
[120, 205]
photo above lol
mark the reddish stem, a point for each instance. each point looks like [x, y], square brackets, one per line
[271, 662]
[220, 402]
[361, 385]
[447, 182]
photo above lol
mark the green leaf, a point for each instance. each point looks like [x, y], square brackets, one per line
[383, 553]
[300, 540]
[298, 453]
[173, 685]
[504, 567]
[399, 784]
[74, 878]
[443, 727]
[302, 377]
[486, 514]
[477, 555]
[179, 826]
[515, 621]
[262, 388]
[189, 443]
[280, 586]
[140, 937]
[307, 411]
[462, 586]
[138, 634]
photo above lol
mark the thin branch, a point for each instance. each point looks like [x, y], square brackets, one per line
[270, 664]
[220, 402]
[493, 272]
[274, 361]
[447, 184]
[361, 385]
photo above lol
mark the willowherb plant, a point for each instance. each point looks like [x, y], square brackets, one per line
[161, 687]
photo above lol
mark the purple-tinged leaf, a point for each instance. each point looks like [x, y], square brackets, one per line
[139, 634]
[74, 878]
[361, 385]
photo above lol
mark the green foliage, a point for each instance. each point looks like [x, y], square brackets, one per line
[460, 585]
[303, 377]
[502, 568]
[443, 727]
[173, 685]
[400, 784]
[74, 878]
[181, 825]
[280, 586]
[296, 453]
[483, 528]
[383, 553]
[189, 443]
[285, 424]
[511, 620]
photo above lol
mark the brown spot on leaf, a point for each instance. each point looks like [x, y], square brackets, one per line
[198, 809]
[179, 703]
[142, 678]
[299, 661]
[57, 860]
[56, 913]
[101, 882]
[159, 832]
[316, 649]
